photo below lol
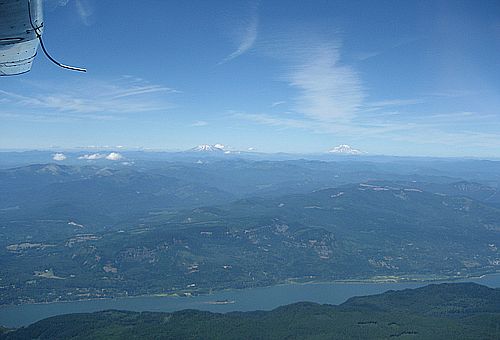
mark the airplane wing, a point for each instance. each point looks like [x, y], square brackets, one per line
[18, 40]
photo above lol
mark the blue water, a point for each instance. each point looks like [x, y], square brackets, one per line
[244, 300]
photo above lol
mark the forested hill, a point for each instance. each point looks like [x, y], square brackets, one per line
[445, 311]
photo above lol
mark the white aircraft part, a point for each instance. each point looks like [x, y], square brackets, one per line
[18, 40]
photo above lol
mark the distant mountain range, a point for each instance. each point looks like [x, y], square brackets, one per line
[342, 149]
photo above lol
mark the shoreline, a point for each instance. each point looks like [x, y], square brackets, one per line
[291, 281]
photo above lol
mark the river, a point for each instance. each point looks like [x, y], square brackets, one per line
[265, 298]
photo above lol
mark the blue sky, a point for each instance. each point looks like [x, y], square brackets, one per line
[386, 77]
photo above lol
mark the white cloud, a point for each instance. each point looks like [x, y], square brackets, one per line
[53, 4]
[142, 89]
[60, 3]
[59, 156]
[328, 90]
[114, 156]
[199, 123]
[362, 56]
[271, 120]
[281, 102]
[85, 11]
[395, 102]
[248, 37]
[93, 156]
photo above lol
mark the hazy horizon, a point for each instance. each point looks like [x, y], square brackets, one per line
[105, 150]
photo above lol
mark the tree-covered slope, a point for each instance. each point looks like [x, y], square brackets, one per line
[354, 232]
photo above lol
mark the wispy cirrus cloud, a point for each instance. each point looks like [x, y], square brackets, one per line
[53, 4]
[390, 45]
[83, 8]
[91, 99]
[277, 121]
[328, 95]
[360, 129]
[248, 35]
[362, 56]
[278, 103]
[51, 117]
[395, 102]
[328, 91]
[434, 127]
[199, 123]
[142, 89]
[85, 11]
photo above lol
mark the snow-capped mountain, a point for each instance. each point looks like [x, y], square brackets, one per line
[345, 149]
[208, 148]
